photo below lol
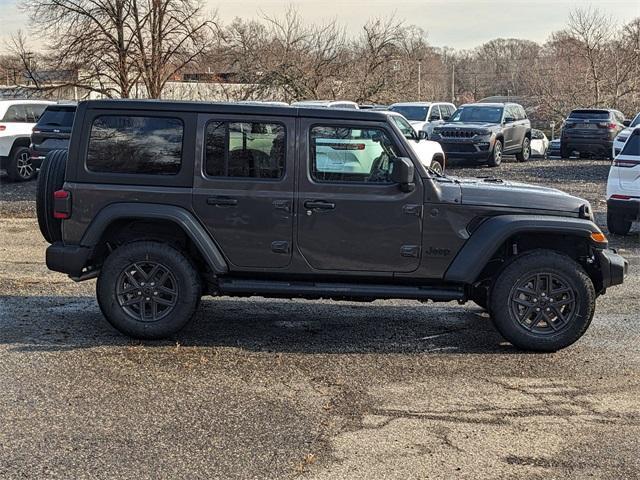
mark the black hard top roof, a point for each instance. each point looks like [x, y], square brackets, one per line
[233, 108]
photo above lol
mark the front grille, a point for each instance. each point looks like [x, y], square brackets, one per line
[457, 133]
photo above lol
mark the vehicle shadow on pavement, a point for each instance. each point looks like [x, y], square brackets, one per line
[255, 324]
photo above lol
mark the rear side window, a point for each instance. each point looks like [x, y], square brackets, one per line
[632, 146]
[132, 144]
[24, 113]
[590, 114]
[57, 117]
[245, 150]
[345, 154]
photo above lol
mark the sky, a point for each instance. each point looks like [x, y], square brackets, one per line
[458, 24]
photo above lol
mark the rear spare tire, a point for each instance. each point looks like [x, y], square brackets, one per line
[51, 178]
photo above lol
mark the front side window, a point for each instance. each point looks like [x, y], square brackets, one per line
[245, 150]
[347, 154]
[132, 144]
[405, 127]
[435, 114]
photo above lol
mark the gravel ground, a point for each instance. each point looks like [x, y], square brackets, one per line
[258, 388]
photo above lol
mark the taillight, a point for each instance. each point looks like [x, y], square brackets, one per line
[3, 128]
[61, 204]
[617, 196]
[34, 130]
[625, 163]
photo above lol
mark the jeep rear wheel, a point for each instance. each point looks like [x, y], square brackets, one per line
[542, 301]
[20, 168]
[524, 154]
[148, 290]
[495, 158]
[618, 224]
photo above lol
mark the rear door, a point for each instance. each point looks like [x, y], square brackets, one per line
[243, 192]
[352, 217]
[509, 128]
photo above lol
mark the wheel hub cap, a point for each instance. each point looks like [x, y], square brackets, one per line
[25, 167]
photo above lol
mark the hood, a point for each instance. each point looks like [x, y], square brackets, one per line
[495, 192]
[469, 125]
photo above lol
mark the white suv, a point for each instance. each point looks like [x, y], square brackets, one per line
[623, 186]
[424, 115]
[618, 142]
[17, 119]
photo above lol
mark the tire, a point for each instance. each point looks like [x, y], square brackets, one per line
[515, 313]
[495, 159]
[524, 154]
[51, 178]
[127, 274]
[20, 167]
[437, 167]
[618, 224]
[564, 153]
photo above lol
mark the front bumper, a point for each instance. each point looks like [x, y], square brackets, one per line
[69, 259]
[466, 149]
[614, 267]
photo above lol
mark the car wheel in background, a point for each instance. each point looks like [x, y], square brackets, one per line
[524, 154]
[51, 178]
[495, 158]
[148, 289]
[564, 153]
[20, 168]
[618, 224]
[542, 301]
[436, 167]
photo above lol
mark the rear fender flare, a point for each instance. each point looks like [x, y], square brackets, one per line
[149, 211]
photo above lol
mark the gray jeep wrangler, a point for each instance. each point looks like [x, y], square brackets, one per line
[166, 202]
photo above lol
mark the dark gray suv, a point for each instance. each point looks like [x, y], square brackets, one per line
[484, 132]
[166, 202]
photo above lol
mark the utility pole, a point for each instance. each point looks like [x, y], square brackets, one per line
[453, 82]
[419, 80]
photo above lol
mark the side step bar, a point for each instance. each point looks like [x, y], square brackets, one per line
[269, 288]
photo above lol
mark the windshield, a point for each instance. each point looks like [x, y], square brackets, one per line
[405, 127]
[57, 116]
[632, 147]
[413, 113]
[478, 114]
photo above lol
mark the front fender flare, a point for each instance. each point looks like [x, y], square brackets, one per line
[492, 233]
[145, 211]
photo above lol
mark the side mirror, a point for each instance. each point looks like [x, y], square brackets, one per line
[509, 119]
[446, 118]
[402, 173]
[627, 123]
[423, 135]
[434, 118]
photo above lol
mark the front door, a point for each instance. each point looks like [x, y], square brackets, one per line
[351, 216]
[243, 193]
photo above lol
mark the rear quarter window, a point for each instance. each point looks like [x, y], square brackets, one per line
[135, 145]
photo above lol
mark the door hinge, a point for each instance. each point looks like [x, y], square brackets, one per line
[410, 251]
[411, 209]
[280, 246]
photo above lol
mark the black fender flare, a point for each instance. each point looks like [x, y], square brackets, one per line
[492, 233]
[146, 211]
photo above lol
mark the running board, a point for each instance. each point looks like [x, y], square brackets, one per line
[268, 288]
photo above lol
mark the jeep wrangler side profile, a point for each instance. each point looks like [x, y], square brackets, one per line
[165, 202]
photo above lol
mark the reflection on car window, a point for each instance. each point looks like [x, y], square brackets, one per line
[405, 127]
[345, 154]
[245, 149]
[131, 144]
[478, 114]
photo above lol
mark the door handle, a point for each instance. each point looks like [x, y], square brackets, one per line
[319, 205]
[222, 201]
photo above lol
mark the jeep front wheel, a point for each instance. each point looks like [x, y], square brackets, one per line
[148, 290]
[495, 158]
[542, 301]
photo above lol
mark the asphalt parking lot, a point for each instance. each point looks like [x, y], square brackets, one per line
[258, 388]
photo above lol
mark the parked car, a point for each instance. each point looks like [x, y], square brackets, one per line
[17, 119]
[554, 149]
[429, 153]
[52, 132]
[539, 144]
[618, 142]
[484, 132]
[590, 132]
[327, 104]
[623, 186]
[424, 115]
[165, 202]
